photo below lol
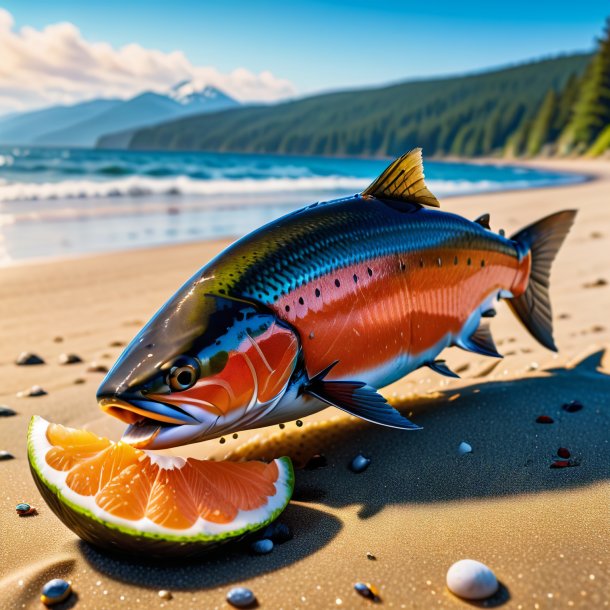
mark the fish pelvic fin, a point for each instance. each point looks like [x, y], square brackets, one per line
[357, 398]
[403, 181]
[542, 241]
[480, 342]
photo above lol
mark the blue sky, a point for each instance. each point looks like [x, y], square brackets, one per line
[327, 45]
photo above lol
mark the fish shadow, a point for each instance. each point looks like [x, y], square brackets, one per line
[511, 453]
[233, 562]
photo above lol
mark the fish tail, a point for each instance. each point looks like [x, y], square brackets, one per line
[541, 242]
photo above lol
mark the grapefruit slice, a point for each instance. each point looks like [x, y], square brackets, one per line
[125, 499]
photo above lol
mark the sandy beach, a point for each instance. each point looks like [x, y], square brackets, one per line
[418, 508]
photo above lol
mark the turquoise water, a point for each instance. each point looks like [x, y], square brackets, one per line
[58, 202]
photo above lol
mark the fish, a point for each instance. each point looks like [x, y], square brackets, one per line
[323, 307]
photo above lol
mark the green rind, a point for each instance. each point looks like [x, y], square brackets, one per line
[121, 539]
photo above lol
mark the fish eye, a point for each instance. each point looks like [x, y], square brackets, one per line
[183, 375]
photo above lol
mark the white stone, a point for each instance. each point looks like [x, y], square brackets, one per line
[464, 448]
[471, 579]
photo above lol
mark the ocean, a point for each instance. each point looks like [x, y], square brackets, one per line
[62, 202]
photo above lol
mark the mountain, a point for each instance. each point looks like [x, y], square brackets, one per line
[83, 124]
[25, 128]
[463, 115]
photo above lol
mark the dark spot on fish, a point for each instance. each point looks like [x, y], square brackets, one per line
[318, 292]
[301, 301]
[421, 262]
[149, 345]
[337, 283]
[282, 426]
[455, 260]
[369, 271]
[402, 266]
[469, 262]
[222, 291]
[222, 440]
[287, 307]
[235, 435]
[355, 279]
[483, 263]
[299, 423]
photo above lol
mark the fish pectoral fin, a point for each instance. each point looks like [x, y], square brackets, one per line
[440, 366]
[480, 342]
[483, 220]
[359, 399]
[403, 181]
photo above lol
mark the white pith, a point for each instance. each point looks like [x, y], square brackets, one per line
[245, 519]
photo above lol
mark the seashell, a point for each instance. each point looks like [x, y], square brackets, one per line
[359, 464]
[69, 359]
[55, 591]
[24, 509]
[28, 358]
[262, 546]
[6, 411]
[164, 594]
[241, 597]
[471, 579]
[35, 390]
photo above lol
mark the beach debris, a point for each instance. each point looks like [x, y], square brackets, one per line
[117, 344]
[598, 283]
[241, 597]
[564, 463]
[28, 358]
[262, 546]
[55, 592]
[25, 510]
[79, 381]
[58, 339]
[165, 594]
[359, 464]
[470, 579]
[367, 590]
[5, 455]
[6, 411]
[371, 557]
[564, 453]
[316, 461]
[96, 367]
[573, 406]
[544, 419]
[278, 533]
[464, 448]
[69, 359]
[35, 390]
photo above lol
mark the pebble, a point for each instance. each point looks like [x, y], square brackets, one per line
[6, 411]
[464, 448]
[24, 509]
[471, 579]
[278, 533]
[28, 358]
[116, 344]
[564, 453]
[573, 406]
[241, 597]
[5, 455]
[69, 359]
[55, 592]
[316, 461]
[359, 464]
[371, 556]
[96, 367]
[164, 594]
[262, 546]
[79, 381]
[35, 390]
[367, 590]
[544, 419]
[58, 339]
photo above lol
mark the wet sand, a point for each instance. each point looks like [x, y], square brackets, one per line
[418, 508]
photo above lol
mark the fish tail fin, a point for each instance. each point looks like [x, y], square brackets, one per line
[542, 241]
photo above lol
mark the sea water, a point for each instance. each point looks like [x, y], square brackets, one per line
[62, 202]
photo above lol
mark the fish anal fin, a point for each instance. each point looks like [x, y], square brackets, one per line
[440, 366]
[483, 220]
[359, 399]
[403, 180]
[480, 342]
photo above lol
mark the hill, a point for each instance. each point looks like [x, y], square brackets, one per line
[464, 115]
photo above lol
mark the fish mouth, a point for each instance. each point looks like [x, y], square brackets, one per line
[147, 419]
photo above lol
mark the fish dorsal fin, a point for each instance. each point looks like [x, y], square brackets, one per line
[483, 220]
[403, 180]
[480, 342]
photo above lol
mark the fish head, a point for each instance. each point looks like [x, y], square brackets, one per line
[205, 365]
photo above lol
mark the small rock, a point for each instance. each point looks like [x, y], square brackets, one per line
[573, 406]
[24, 509]
[27, 358]
[5, 455]
[278, 533]
[359, 464]
[57, 339]
[371, 557]
[315, 462]
[544, 419]
[241, 597]
[79, 381]
[464, 448]
[471, 579]
[35, 390]
[55, 592]
[6, 411]
[116, 344]
[262, 546]
[164, 594]
[69, 359]
[598, 283]
[97, 367]
[564, 453]
[367, 590]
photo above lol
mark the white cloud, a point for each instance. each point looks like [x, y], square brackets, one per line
[56, 65]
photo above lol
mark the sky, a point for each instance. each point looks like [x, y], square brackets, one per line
[267, 50]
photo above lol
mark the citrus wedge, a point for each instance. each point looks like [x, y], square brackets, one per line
[125, 499]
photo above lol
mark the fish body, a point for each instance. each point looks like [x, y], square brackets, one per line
[323, 306]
